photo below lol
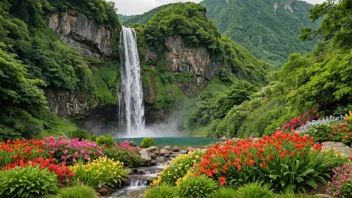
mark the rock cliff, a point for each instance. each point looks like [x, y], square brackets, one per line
[87, 36]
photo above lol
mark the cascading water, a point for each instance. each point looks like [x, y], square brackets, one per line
[131, 108]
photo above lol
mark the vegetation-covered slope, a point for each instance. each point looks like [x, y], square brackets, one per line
[124, 18]
[319, 79]
[144, 18]
[267, 28]
[33, 57]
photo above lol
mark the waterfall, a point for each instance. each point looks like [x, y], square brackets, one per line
[131, 108]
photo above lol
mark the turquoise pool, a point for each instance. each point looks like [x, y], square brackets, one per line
[176, 141]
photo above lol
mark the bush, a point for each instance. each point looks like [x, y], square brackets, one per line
[225, 193]
[27, 182]
[340, 185]
[129, 158]
[178, 167]
[200, 187]
[73, 150]
[162, 191]
[102, 171]
[106, 140]
[301, 163]
[79, 133]
[255, 190]
[77, 192]
[147, 142]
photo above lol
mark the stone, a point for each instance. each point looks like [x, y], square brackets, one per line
[163, 151]
[161, 159]
[183, 152]
[339, 146]
[87, 36]
[167, 148]
[145, 154]
[223, 138]
[167, 155]
[157, 152]
[152, 148]
[153, 155]
[129, 171]
[176, 149]
[103, 190]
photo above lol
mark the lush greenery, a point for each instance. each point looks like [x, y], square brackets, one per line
[162, 191]
[147, 142]
[33, 59]
[128, 157]
[256, 189]
[268, 29]
[77, 192]
[27, 182]
[201, 187]
[143, 18]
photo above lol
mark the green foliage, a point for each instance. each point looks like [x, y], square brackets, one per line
[79, 133]
[77, 192]
[255, 190]
[106, 79]
[100, 11]
[106, 140]
[189, 21]
[336, 12]
[262, 29]
[201, 187]
[221, 95]
[129, 158]
[143, 18]
[147, 142]
[224, 192]
[346, 189]
[162, 191]
[27, 182]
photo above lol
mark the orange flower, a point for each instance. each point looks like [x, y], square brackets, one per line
[222, 180]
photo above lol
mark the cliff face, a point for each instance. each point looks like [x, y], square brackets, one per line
[91, 40]
[87, 36]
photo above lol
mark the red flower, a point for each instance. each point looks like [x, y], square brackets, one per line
[222, 180]
[292, 154]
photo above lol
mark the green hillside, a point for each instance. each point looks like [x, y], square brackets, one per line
[267, 28]
[144, 18]
[124, 18]
[317, 80]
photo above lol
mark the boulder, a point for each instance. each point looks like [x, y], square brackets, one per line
[129, 171]
[339, 146]
[145, 154]
[160, 159]
[167, 147]
[183, 152]
[163, 151]
[176, 149]
[103, 190]
[152, 148]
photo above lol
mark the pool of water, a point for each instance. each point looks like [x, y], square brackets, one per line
[175, 141]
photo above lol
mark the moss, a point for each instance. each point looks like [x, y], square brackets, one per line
[106, 80]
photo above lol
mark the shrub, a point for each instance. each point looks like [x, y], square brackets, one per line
[200, 187]
[348, 117]
[99, 172]
[224, 192]
[178, 167]
[255, 190]
[79, 133]
[301, 162]
[340, 183]
[129, 158]
[77, 192]
[106, 140]
[70, 151]
[27, 182]
[162, 191]
[147, 142]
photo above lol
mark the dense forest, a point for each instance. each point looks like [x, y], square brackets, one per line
[318, 80]
[34, 58]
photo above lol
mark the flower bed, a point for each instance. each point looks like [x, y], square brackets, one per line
[288, 162]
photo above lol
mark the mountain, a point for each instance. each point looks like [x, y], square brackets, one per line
[124, 18]
[268, 28]
[144, 18]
